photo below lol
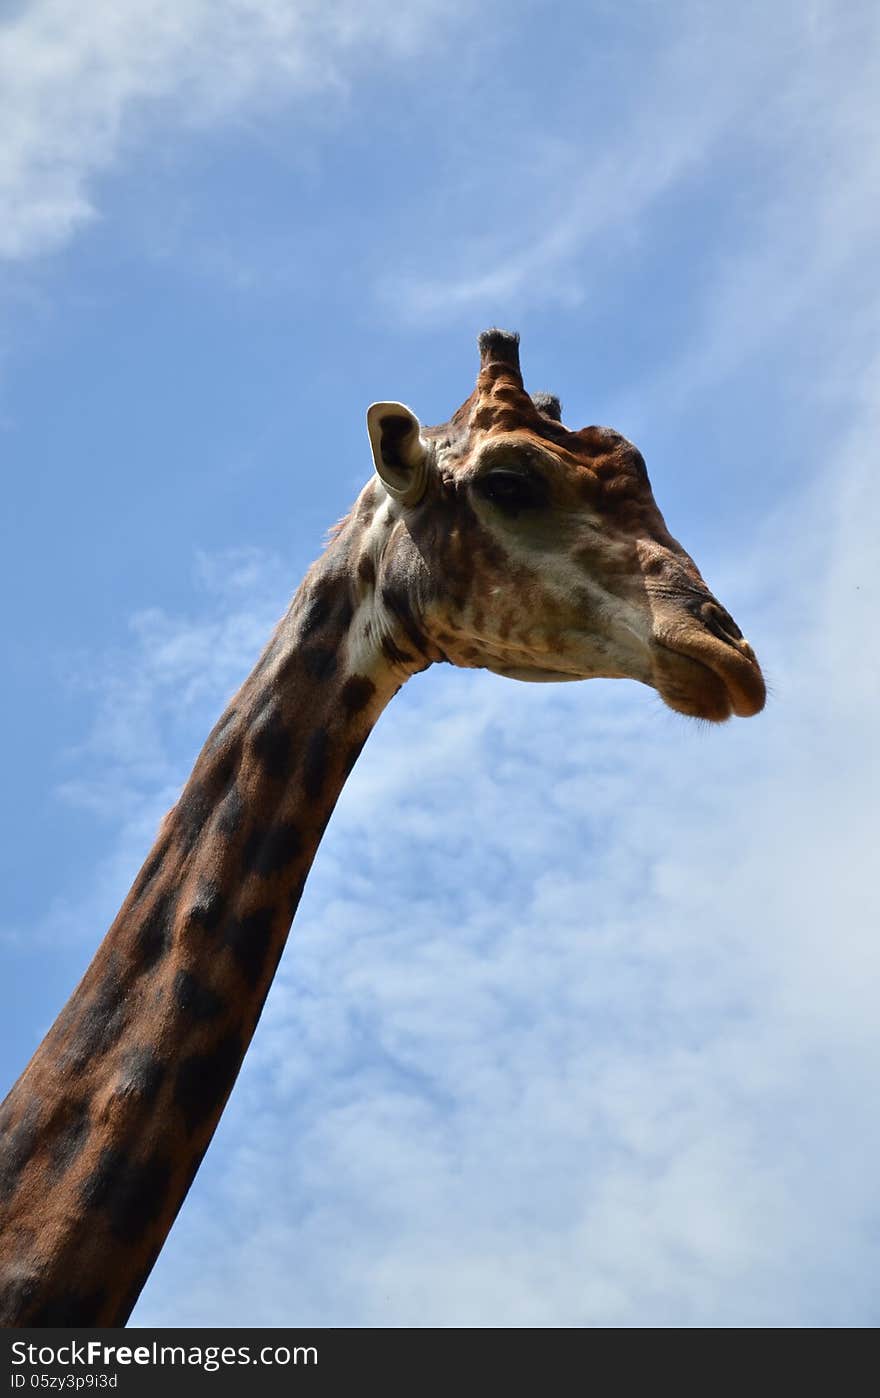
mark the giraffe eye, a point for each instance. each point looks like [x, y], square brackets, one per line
[512, 491]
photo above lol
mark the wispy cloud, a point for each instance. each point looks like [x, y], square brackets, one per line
[801, 101]
[153, 702]
[81, 83]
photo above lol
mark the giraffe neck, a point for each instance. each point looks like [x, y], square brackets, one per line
[102, 1135]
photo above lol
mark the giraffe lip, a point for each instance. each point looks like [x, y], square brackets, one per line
[697, 673]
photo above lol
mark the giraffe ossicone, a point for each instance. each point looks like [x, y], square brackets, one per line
[499, 540]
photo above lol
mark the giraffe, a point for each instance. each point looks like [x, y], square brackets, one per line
[499, 540]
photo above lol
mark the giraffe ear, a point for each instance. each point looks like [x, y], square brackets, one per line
[400, 453]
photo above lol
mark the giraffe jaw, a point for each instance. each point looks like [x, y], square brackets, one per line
[534, 674]
[706, 681]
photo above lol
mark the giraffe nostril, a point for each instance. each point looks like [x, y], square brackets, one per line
[720, 622]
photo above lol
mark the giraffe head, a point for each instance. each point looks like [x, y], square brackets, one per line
[504, 540]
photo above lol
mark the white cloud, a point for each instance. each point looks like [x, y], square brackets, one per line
[792, 85]
[153, 703]
[80, 81]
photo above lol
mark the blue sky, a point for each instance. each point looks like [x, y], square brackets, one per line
[577, 1024]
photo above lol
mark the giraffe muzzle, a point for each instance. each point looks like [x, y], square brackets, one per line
[704, 666]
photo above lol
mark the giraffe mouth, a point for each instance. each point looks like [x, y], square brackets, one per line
[704, 677]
